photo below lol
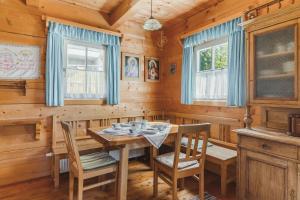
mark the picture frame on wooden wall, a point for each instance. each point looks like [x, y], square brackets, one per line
[152, 69]
[20, 62]
[132, 67]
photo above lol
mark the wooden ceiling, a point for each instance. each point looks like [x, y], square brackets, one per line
[105, 6]
[166, 11]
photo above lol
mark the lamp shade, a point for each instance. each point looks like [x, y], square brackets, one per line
[152, 24]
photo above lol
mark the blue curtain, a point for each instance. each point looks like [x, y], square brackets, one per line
[236, 59]
[113, 74]
[54, 60]
[187, 79]
[236, 69]
[54, 70]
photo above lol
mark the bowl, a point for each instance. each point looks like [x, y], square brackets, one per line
[288, 66]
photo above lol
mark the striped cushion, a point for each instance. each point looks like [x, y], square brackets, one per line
[168, 160]
[96, 160]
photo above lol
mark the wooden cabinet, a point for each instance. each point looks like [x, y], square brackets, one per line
[268, 166]
[269, 162]
[273, 64]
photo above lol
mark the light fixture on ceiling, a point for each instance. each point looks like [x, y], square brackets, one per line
[152, 24]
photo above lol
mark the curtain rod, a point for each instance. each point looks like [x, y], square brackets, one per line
[83, 26]
[215, 23]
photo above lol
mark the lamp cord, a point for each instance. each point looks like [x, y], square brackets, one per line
[151, 9]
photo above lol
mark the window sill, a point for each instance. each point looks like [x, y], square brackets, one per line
[85, 102]
[210, 103]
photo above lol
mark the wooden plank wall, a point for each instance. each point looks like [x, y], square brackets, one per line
[21, 156]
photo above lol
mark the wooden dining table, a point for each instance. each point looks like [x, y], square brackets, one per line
[126, 143]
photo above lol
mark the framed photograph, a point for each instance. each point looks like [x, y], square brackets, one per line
[131, 67]
[152, 72]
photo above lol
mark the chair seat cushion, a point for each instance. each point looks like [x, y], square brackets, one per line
[221, 153]
[96, 160]
[168, 159]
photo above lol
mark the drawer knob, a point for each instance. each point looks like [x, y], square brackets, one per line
[265, 146]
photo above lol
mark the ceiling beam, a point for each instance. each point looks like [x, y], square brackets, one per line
[34, 3]
[123, 12]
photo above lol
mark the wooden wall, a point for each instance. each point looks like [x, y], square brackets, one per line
[21, 156]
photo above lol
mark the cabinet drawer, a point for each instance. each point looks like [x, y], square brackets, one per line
[277, 148]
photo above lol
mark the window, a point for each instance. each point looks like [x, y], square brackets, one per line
[84, 71]
[211, 70]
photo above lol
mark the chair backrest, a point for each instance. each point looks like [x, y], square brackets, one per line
[73, 153]
[193, 132]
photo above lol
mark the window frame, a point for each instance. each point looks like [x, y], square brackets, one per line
[213, 44]
[87, 45]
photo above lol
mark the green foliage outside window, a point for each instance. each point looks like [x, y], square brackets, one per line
[206, 59]
[213, 58]
[221, 53]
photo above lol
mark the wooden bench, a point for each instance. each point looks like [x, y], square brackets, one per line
[84, 142]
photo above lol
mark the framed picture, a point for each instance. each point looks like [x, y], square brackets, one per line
[19, 61]
[131, 67]
[152, 72]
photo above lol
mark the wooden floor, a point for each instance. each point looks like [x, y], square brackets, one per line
[139, 187]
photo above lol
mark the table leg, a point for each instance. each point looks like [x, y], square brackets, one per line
[123, 173]
[55, 168]
[153, 154]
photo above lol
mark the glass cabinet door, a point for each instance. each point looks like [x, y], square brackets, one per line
[275, 64]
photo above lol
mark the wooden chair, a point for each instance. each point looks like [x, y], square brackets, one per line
[177, 165]
[86, 166]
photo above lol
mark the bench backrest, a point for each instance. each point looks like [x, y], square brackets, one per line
[80, 126]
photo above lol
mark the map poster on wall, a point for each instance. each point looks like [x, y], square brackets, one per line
[19, 61]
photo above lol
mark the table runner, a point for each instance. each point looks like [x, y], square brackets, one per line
[155, 134]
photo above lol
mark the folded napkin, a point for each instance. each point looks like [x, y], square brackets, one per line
[148, 132]
[114, 131]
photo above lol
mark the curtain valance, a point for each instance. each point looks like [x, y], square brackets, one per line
[82, 34]
[218, 31]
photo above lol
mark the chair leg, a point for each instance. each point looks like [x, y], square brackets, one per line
[223, 179]
[80, 189]
[71, 186]
[155, 181]
[201, 186]
[174, 189]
